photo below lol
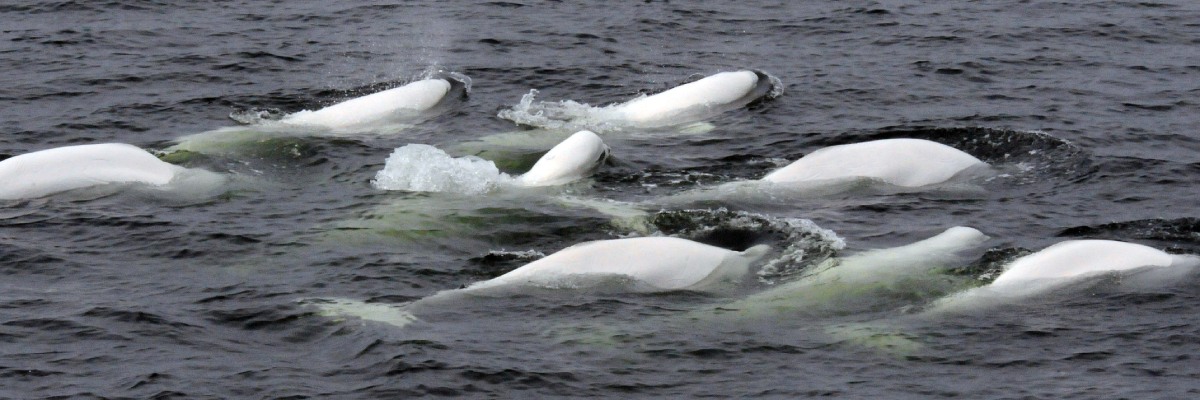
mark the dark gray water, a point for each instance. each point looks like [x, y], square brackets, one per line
[1089, 109]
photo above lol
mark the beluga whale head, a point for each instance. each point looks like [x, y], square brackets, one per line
[572, 159]
[697, 100]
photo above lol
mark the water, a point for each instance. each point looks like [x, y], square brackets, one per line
[1087, 112]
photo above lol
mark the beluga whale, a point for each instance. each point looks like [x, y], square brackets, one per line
[385, 112]
[681, 107]
[695, 101]
[642, 264]
[899, 162]
[1064, 263]
[376, 108]
[50, 171]
[879, 166]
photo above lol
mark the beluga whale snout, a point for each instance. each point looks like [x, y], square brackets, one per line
[697, 100]
[61, 169]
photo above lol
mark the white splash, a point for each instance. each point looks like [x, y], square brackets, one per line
[424, 168]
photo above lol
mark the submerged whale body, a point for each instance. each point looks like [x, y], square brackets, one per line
[665, 263]
[866, 281]
[696, 100]
[574, 158]
[377, 107]
[50, 171]
[900, 162]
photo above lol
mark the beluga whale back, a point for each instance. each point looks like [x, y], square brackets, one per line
[900, 162]
[50, 171]
[696, 100]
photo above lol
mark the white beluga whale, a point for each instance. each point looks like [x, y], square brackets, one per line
[900, 162]
[643, 264]
[696, 100]
[61, 169]
[676, 107]
[880, 166]
[425, 168]
[384, 112]
[662, 263]
[375, 108]
[1064, 263]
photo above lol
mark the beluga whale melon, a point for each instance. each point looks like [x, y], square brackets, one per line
[696, 100]
[900, 162]
[61, 169]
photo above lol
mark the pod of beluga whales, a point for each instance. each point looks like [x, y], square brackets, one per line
[649, 263]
